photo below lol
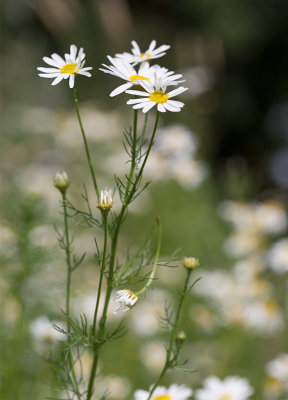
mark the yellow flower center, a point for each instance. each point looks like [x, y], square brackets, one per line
[69, 69]
[146, 54]
[158, 96]
[165, 397]
[225, 397]
[134, 77]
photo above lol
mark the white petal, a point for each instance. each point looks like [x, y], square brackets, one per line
[137, 92]
[161, 108]
[58, 59]
[152, 46]
[57, 80]
[148, 107]
[52, 75]
[50, 61]
[161, 49]
[120, 89]
[136, 48]
[81, 72]
[71, 81]
[175, 103]
[177, 91]
[171, 108]
[139, 100]
[48, 70]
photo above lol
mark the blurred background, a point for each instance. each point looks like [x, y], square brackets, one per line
[219, 183]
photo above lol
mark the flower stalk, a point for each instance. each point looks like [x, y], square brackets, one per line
[85, 144]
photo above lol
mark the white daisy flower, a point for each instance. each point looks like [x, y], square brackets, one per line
[231, 388]
[106, 200]
[126, 299]
[174, 392]
[124, 70]
[155, 94]
[137, 56]
[64, 69]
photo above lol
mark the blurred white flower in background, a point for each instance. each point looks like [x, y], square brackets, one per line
[277, 256]
[231, 388]
[176, 140]
[146, 321]
[42, 329]
[116, 387]
[153, 355]
[276, 382]
[264, 316]
[173, 392]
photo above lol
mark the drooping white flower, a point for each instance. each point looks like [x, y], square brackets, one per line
[106, 200]
[122, 69]
[64, 69]
[174, 392]
[156, 94]
[126, 299]
[231, 388]
[137, 56]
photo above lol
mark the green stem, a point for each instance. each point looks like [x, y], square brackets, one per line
[151, 277]
[172, 336]
[114, 242]
[68, 290]
[104, 218]
[133, 155]
[85, 144]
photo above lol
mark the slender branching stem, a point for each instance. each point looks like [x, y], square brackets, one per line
[114, 241]
[85, 144]
[68, 289]
[102, 270]
[173, 332]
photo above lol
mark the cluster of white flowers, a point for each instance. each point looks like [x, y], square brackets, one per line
[174, 157]
[252, 223]
[152, 80]
[242, 297]
[231, 388]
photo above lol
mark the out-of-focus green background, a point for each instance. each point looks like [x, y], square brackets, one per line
[234, 57]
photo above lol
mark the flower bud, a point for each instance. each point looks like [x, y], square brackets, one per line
[106, 200]
[181, 336]
[61, 181]
[190, 262]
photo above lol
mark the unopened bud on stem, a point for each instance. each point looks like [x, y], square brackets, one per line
[190, 262]
[61, 182]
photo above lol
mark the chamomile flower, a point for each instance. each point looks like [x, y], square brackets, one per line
[155, 94]
[126, 300]
[124, 70]
[64, 69]
[231, 388]
[174, 392]
[106, 200]
[137, 56]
